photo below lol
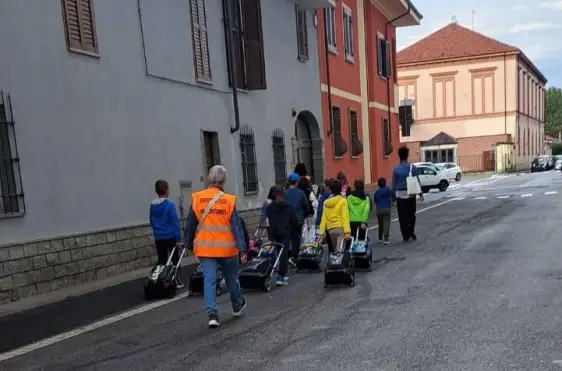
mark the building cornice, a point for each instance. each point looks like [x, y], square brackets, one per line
[456, 61]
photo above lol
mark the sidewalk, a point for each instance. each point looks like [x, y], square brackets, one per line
[33, 319]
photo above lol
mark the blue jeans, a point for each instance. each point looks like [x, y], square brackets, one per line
[230, 270]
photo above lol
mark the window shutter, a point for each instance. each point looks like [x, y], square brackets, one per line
[388, 58]
[302, 33]
[255, 58]
[200, 41]
[379, 56]
[80, 25]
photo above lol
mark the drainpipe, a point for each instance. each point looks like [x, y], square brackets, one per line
[505, 94]
[387, 79]
[232, 57]
[327, 57]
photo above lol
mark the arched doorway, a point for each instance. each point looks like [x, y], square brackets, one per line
[308, 145]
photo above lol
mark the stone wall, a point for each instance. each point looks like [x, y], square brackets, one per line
[40, 267]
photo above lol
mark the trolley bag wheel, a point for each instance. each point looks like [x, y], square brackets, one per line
[267, 284]
[352, 280]
[189, 293]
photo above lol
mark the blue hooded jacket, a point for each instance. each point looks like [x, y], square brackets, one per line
[164, 220]
[321, 200]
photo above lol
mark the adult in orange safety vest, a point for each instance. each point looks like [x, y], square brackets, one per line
[214, 232]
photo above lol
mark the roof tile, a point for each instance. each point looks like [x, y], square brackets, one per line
[452, 41]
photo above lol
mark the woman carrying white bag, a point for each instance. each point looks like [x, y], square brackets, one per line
[405, 187]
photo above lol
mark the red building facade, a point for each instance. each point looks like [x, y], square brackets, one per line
[357, 49]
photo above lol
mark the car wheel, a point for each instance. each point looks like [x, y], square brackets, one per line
[458, 177]
[425, 189]
[443, 185]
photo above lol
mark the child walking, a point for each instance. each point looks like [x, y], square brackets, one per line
[383, 200]
[359, 210]
[165, 226]
[335, 217]
[282, 225]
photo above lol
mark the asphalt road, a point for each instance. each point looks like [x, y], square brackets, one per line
[479, 290]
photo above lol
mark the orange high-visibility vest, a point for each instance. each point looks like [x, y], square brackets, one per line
[214, 237]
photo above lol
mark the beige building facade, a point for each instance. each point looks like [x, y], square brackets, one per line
[469, 104]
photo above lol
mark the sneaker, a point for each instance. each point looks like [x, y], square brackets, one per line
[386, 242]
[180, 285]
[292, 263]
[238, 313]
[282, 281]
[414, 237]
[380, 240]
[213, 321]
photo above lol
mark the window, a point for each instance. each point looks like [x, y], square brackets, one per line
[387, 147]
[249, 161]
[248, 64]
[384, 57]
[340, 147]
[348, 35]
[437, 156]
[330, 25]
[11, 191]
[302, 34]
[80, 25]
[200, 40]
[211, 149]
[356, 145]
[279, 158]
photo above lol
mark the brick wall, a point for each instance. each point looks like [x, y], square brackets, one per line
[478, 145]
[414, 147]
[40, 267]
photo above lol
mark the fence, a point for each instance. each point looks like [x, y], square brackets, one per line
[477, 163]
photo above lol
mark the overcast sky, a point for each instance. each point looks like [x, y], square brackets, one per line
[533, 26]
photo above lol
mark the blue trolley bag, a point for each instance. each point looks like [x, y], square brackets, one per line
[362, 253]
[161, 282]
[340, 268]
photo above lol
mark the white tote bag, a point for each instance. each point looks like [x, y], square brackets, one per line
[412, 185]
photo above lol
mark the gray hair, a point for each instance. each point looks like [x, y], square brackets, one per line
[216, 176]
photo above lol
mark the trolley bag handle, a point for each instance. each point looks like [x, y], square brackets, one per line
[357, 236]
[207, 210]
[169, 262]
[343, 242]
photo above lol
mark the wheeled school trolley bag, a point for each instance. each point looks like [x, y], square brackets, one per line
[258, 272]
[361, 253]
[339, 268]
[196, 282]
[161, 282]
[310, 257]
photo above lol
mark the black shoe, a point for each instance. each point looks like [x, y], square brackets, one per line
[414, 237]
[238, 312]
[213, 321]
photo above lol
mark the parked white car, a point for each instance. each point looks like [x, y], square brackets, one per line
[558, 164]
[432, 179]
[452, 170]
[427, 164]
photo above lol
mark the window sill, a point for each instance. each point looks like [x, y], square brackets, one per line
[204, 81]
[84, 52]
[382, 77]
[338, 157]
[251, 193]
[12, 215]
[355, 157]
[303, 59]
[350, 59]
[333, 50]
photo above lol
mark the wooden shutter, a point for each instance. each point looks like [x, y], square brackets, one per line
[200, 41]
[80, 25]
[302, 33]
[380, 59]
[388, 58]
[253, 40]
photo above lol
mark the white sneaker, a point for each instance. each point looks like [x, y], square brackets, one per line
[213, 323]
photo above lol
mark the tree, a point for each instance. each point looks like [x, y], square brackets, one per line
[553, 98]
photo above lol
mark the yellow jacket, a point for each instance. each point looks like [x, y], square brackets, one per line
[335, 214]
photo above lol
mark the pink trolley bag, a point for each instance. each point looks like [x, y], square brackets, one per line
[256, 243]
[311, 253]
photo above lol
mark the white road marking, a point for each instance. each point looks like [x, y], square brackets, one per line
[459, 198]
[81, 330]
[550, 193]
[417, 212]
[480, 198]
[503, 197]
[492, 181]
[527, 195]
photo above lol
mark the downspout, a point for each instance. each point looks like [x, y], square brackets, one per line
[232, 57]
[329, 85]
[505, 95]
[387, 79]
